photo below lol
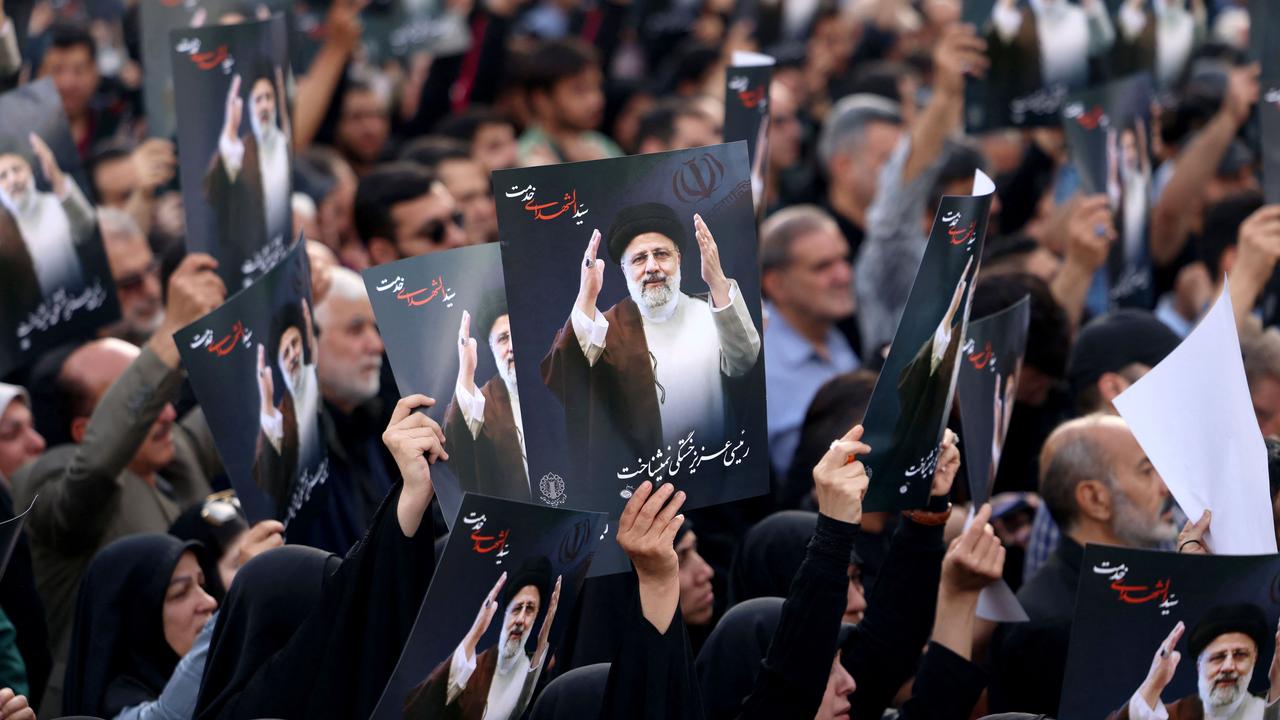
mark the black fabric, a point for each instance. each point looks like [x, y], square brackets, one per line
[1028, 660]
[1244, 618]
[338, 660]
[947, 687]
[214, 541]
[643, 218]
[1113, 341]
[119, 656]
[770, 556]
[730, 661]
[576, 695]
[22, 604]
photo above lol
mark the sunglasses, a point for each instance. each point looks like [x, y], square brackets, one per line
[133, 281]
[435, 232]
[221, 508]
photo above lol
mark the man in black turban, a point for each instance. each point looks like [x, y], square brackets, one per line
[1226, 643]
[661, 364]
[497, 683]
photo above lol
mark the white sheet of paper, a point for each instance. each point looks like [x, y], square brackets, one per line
[1193, 416]
[745, 58]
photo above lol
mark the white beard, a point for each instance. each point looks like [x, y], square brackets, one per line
[656, 304]
[1222, 702]
[273, 162]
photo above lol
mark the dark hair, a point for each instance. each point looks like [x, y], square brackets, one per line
[108, 151]
[691, 63]
[1222, 223]
[384, 187]
[1049, 331]
[557, 60]
[431, 150]
[464, 126]
[1273, 465]
[65, 36]
[837, 406]
[881, 78]
[660, 122]
[1007, 251]
[960, 160]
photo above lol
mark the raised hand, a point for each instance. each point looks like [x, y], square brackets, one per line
[840, 480]
[484, 617]
[1163, 665]
[960, 52]
[1191, 540]
[1090, 232]
[544, 635]
[592, 279]
[266, 384]
[712, 272]
[647, 533]
[14, 706]
[155, 161]
[975, 559]
[415, 441]
[234, 109]
[258, 539]
[310, 327]
[48, 165]
[1242, 93]
[467, 355]
[944, 473]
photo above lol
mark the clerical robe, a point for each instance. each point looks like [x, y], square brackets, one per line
[458, 690]
[1192, 708]
[237, 193]
[485, 442]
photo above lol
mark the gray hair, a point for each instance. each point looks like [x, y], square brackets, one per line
[784, 227]
[116, 223]
[345, 284]
[1262, 357]
[848, 120]
[1073, 454]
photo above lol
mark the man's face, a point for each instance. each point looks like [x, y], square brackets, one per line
[427, 223]
[335, 211]
[263, 101]
[1140, 513]
[15, 178]
[697, 598]
[869, 156]
[1265, 393]
[784, 128]
[692, 131]
[75, 75]
[363, 126]
[651, 263]
[518, 620]
[290, 355]
[19, 441]
[350, 360]
[494, 146]
[137, 277]
[1224, 669]
[116, 180]
[468, 183]
[500, 344]
[817, 280]
[578, 101]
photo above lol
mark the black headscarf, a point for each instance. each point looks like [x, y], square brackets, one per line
[214, 541]
[119, 656]
[270, 598]
[770, 556]
[576, 695]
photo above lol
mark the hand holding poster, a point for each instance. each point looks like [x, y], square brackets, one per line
[444, 320]
[911, 402]
[495, 612]
[55, 283]
[1203, 438]
[634, 293]
[236, 162]
[1194, 633]
[252, 365]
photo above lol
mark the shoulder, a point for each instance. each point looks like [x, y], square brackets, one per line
[48, 466]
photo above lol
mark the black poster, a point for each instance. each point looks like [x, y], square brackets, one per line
[502, 595]
[444, 320]
[746, 114]
[234, 144]
[1214, 617]
[1040, 50]
[645, 380]
[991, 361]
[1108, 131]
[55, 283]
[252, 365]
[911, 402]
[393, 29]
[10, 531]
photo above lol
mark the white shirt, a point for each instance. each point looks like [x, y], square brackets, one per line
[273, 164]
[1253, 708]
[1068, 36]
[50, 238]
[1175, 38]
[306, 405]
[686, 367]
[509, 690]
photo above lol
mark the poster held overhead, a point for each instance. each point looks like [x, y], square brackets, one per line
[911, 402]
[444, 321]
[746, 114]
[1221, 467]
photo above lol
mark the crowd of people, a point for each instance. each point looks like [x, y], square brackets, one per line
[138, 588]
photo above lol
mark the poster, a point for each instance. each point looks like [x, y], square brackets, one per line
[1108, 131]
[252, 365]
[444, 321]
[235, 151]
[1130, 606]
[55, 282]
[991, 361]
[911, 402]
[746, 114]
[1155, 36]
[10, 531]
[651, 384]
[393, 29]
[499, 602]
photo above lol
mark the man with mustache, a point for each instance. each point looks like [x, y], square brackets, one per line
[482, 427]
[1226, 644]
[289, 444]
[248, 182]
[498, 683]
[660, 364]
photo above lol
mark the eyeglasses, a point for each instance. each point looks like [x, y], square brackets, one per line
[221, 508]
[436, 231]
[133, 281]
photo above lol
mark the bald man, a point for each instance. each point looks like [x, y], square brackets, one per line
[1100, 487]
[131, 468]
